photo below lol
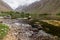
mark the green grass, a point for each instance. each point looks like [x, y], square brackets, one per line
[43, 16]
[3, 30]
[54, 30]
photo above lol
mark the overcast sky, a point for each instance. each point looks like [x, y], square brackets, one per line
[15, 3]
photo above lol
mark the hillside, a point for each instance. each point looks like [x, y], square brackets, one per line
[4, 6]
[43, 6]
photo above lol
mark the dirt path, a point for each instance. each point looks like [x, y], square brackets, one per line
[10, 36]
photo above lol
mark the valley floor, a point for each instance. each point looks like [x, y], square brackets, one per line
[20, 31]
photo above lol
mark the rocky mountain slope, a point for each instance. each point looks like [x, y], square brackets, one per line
[4, 6]
[43, 6]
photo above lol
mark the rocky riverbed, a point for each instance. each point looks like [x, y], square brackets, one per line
[20, 31]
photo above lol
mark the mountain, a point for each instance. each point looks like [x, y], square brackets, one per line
[42, 6]
[20, 8]
[4, 6]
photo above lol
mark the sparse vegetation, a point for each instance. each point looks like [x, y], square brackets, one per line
[33, 15]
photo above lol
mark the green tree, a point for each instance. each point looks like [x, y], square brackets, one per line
[58, 14]
[27, 15]
[22, 14]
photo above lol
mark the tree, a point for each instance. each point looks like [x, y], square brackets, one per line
[27, 15]
[58, 14]
[22, 14]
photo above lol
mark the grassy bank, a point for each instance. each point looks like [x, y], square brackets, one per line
[3, 30]
[53, 29]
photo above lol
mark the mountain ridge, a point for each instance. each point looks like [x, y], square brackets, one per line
[4, 6]
[43, 6]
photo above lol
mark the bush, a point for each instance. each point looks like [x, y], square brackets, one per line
[45, 14]
[58, 14]
[3, 30]
[27, 15]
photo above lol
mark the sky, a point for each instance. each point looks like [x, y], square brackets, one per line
[15, 3]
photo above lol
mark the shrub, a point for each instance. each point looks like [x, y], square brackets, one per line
[3, 30]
